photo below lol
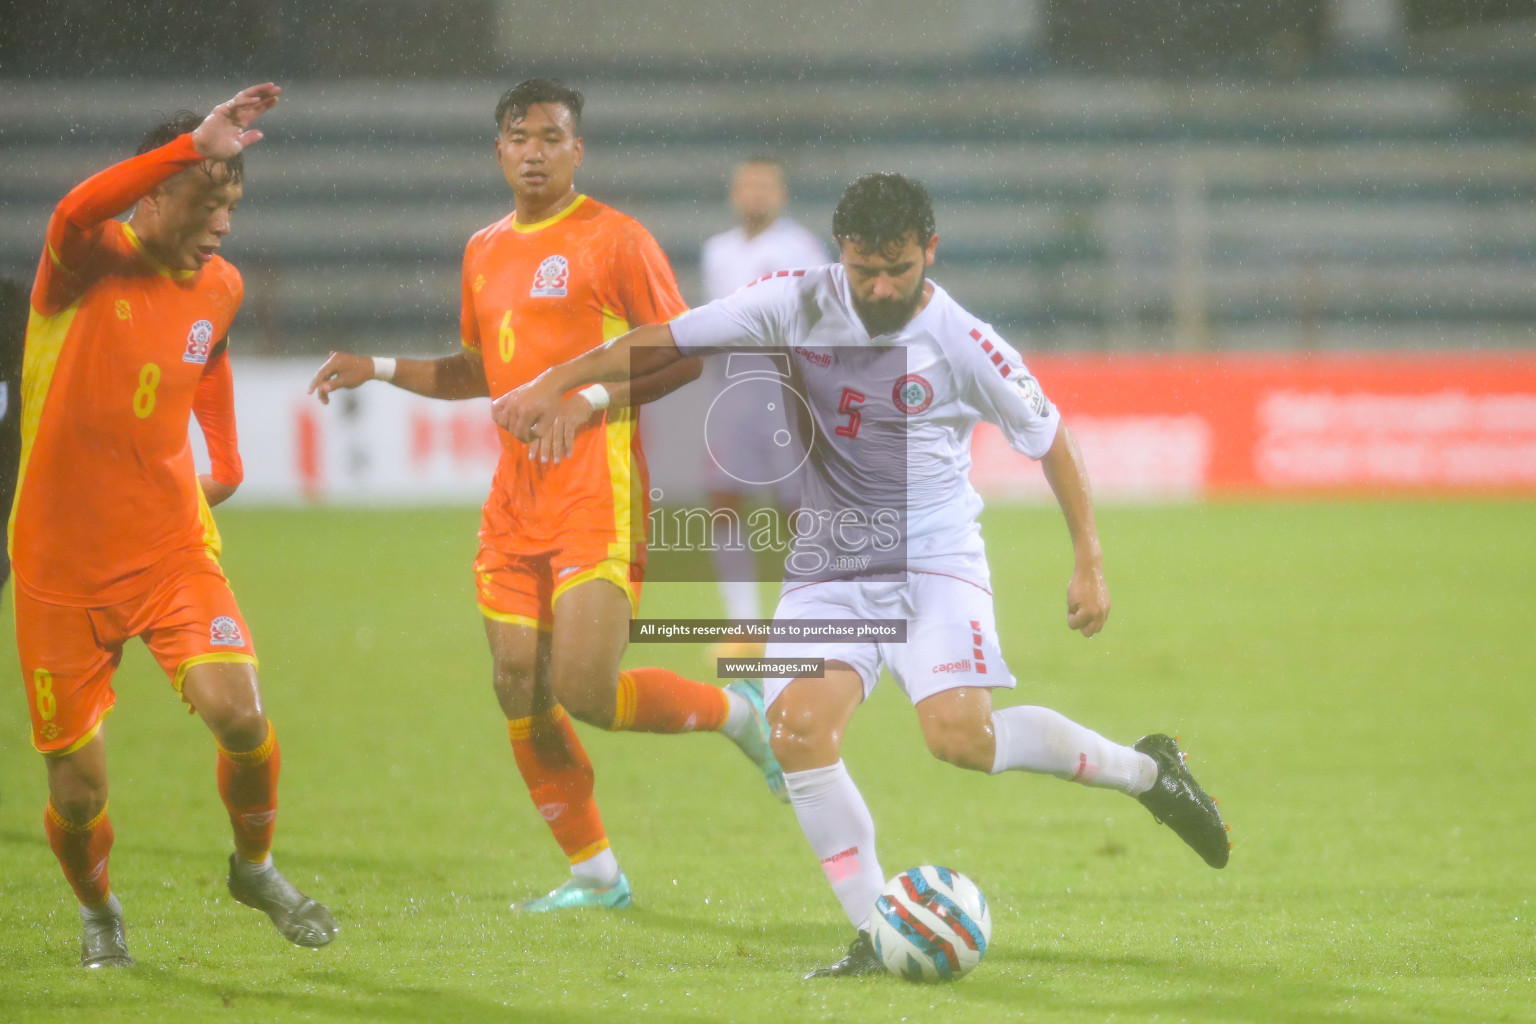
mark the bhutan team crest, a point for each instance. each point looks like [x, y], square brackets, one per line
[225, 632]
[551, 277]
[199, 343]
[912, 394]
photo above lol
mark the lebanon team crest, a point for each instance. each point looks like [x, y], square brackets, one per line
[551, 277]
[912, 394]
[199, 343]
[225, 632]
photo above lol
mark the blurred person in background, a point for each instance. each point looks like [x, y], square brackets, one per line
[562, 547]
[764, 241]
[111, 535]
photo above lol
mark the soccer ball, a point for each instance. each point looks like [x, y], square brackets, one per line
[931, 924]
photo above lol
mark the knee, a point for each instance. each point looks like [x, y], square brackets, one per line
[81, 803]
[228, 699]
[586, 694]
[514, 683]
[963, 743]
[236, 720]
[801, 739]
[77, 795]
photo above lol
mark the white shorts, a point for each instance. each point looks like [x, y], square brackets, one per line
[951, 633]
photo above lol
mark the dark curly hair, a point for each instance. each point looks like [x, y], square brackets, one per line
[878, 211]
[180, 123]
[514, 103]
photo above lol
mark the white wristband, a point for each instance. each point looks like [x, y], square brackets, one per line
[383, 368]
[596, 394]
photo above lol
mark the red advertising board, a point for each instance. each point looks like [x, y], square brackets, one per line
[1184, 426]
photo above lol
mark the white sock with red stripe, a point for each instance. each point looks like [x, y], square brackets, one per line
[836, 820]
[1031, 739]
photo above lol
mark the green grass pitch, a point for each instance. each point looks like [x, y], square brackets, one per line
[1353, 681]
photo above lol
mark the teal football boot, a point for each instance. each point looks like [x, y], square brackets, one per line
[753, 740]
[579, 894]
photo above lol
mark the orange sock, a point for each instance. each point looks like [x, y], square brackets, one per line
[82, 851]
[558, 774]
[248, 784]
[658, 700]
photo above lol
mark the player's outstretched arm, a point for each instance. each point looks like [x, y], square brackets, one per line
[578, 409]
[461, 375]
[1087, 594]
[529, 411]
[76, 223]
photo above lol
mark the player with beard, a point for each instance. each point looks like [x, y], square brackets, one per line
[910, 374]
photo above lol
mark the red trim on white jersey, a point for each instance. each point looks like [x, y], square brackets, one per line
[778, 273]
[988, 347]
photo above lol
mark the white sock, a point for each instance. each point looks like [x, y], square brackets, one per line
[737, 589]
[600, 870]
[834, 818]
[738, 714]
[107, 910]
[247, 867]
[1031, 739]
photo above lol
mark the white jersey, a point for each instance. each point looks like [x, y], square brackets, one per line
[889, 418]
[731, 260]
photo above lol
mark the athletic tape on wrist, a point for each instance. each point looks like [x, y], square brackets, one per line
[383, 368]
[596, 394]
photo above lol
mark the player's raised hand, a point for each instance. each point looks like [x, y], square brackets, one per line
[226, 131]
[1087, 600]
[342, 370]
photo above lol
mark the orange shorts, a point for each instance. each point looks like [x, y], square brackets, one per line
[523, 589]
[68, 654]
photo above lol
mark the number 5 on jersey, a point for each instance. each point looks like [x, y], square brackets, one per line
[846, 406]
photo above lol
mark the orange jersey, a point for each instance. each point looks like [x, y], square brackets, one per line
[535, 296]
[120, 351]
